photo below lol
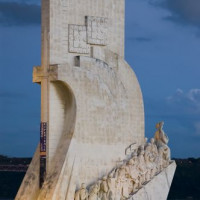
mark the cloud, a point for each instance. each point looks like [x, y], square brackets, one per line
[186, 12]
[188, 103]
[19, 14]
[181, 113]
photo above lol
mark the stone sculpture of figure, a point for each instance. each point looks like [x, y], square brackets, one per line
[154, 149]
[82, 194]
[122, 182]
[99, 187]
[93, 194]
[149, 160]
[140, 149]
[160, 165]
[111, 187]
[136, 172]
[155, 155]
[161, 140]
[133, 173]
[129, 169]
[142, 167]
[104, 189]
[145, 142]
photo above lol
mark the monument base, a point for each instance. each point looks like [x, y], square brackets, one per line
[158, 188]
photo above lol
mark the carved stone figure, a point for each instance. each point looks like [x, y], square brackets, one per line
[160, 164]
[129, 170]
[111, 187]
[155, 155]
[122, 181]
[94, 190]
[142, 167]
[141, 149]
[82, 194]
[99, 187]
[146, 161]
[161, 140]
[133, 173]
[154, 149]
[104, 189]
[149, 160]
[145, 142]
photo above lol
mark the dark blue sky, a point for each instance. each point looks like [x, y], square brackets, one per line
[162, 46]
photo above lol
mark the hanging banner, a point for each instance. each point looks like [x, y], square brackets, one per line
[43, 137]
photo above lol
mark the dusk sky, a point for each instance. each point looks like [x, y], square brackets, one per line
[162, 46]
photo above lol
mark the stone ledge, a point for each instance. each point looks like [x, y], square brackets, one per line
[158, 188]
[38, 73]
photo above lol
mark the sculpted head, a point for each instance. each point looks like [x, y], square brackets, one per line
[152, 140]
[130, 162]
[159, 125]
[134, 156]
[122, 167]
[83, 186]
[141, 148]
[141, 152]
[148, 148]
[110, 176]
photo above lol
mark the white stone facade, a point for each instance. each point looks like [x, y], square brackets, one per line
[91, 98]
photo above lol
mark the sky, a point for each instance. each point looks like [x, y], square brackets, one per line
[162, 46]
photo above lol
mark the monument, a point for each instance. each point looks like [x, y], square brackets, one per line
[92, 141]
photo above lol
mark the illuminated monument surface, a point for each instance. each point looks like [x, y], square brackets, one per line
[92, 143]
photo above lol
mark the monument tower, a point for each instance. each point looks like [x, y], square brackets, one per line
[92, 115]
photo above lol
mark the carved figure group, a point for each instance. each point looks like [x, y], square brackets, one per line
[148, 160]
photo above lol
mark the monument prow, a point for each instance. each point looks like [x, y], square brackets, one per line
[91, 102]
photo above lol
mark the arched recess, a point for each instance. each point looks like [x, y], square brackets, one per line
[62, 116]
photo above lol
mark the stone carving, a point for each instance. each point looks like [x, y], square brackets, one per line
[161, 140]
[94, 32]
[103, 193]
[94, 192]
[130, 149]
[97, 28]
[82, 194]
[77, 39]
[146, 161]
[111, 187]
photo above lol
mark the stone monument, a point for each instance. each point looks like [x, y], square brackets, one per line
[92, 143]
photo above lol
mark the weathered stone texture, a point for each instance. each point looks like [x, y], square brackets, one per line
[78, 39]
[91, 98]
[158, 188]
[97, 30]
[65, 12]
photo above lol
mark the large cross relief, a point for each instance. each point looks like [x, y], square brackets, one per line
[95, 32]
